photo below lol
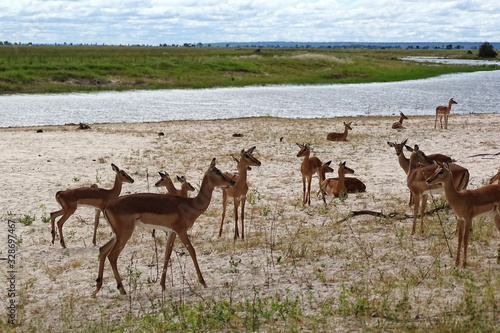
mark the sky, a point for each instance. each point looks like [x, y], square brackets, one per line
[154, 22]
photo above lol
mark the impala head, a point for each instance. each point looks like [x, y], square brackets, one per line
[238, 162]
[122, 175]
[440, 175]
[348, 125]
[304, 149]
[420, 156]
[247, 155]
[402, 115]
[398, 146]
[344, 169]
[217, 178]
[452, 101]
[185, 184]
[165, 179]
[325, 167]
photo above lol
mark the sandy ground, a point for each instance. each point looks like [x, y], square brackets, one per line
[289, 249]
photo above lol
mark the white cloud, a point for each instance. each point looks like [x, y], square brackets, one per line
[178, 21]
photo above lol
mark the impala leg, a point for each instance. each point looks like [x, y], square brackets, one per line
[416, 202]
[168, 253]
[224, 202]
[96, 224]
[460, 225]
[497, 224]
[187, 243]
[422, 212]
[103, 254]
[303, 190]
[243, 200]
[67, 213]
[468, 227]
[308, 194]
[236, 230]
[121, 240]
[53, 217]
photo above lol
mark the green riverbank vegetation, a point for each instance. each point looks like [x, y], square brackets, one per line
[62, 69]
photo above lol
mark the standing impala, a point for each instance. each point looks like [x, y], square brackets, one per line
[239, 191]
[443, 111]
[86, 196]
[420, 189]
[467, 204]
[404, 163]
[309, 166]
[158, 211]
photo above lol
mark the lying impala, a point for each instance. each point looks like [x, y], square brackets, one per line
[420, 189]
[340, 136]
[86, 196]
[334, 186]
[467, 204]
[157, 211]
[239, 191]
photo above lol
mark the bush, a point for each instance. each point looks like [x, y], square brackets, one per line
[486, 50]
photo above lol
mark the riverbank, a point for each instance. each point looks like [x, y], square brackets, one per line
[298, 267]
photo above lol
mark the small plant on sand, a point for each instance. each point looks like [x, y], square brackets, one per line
[27, 219]
[45, 217]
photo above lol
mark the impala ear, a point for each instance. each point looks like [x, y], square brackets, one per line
[212, 164]
[161, 174]
[390, 144]
[179, 178]
[114, 167]
[250, 151]
[408, 148]
[404, 141]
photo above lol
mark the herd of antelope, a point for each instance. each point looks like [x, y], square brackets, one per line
[175, 212]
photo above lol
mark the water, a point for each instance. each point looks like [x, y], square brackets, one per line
[477, 92]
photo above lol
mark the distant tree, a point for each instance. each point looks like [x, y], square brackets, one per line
[486, 50]
[449, 46]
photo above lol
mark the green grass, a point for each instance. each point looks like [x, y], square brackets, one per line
[59, 69]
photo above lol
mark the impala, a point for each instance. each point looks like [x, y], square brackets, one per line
[309, 166]
[342, 136]
[404, 162]
[86, 196]
[239, 191]
[399, 124]
[467, 204]
[352, 184]
[158, 211]
[420, 189]
[336, 187]
[443, 111]
[169, 185]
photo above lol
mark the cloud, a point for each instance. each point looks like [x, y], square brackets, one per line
[175, 22]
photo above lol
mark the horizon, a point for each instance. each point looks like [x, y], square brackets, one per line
[150, 22]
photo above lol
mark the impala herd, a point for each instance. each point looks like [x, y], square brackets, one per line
[175, 212]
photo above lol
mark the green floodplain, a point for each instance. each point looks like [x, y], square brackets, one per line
[60, 69]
